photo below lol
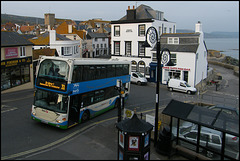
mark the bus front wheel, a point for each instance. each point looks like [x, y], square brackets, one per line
[85, 116]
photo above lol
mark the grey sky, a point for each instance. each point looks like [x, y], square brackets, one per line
[214, 15]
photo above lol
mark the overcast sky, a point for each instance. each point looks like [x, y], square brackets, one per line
[214, 15]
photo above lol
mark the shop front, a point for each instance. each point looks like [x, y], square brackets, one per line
[15, 72]
[175, 73]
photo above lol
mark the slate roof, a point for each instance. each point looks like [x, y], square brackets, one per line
[43, 39]
[9, 38]
[180, 34]
[181, 47]
[91, 35]
[143, 12]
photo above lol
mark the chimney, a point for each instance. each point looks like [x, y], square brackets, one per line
[49, 28]
[69, 29]
[52, 36]
[131, 13]
[198, 27]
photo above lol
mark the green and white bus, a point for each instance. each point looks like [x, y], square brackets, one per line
[72, 90]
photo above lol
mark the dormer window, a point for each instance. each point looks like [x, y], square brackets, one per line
[173, 40]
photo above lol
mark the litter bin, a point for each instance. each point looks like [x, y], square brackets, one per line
[164, 143]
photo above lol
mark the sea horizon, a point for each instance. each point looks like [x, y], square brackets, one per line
[227, 46]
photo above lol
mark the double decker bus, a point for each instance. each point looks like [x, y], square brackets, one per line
[72, 90]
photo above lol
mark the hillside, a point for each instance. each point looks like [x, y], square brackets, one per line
[21, 20]
[24, 20]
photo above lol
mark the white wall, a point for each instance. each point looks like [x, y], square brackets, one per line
[57, 44]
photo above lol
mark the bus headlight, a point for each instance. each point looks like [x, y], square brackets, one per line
[34, 113]
[59, 121]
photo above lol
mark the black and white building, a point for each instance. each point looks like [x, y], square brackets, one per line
[128, 36]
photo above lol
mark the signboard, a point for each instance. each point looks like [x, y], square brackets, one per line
[150, 119]
[128, 113]
[11, 53]
[16, 62]
[177, 68]
[52, 84]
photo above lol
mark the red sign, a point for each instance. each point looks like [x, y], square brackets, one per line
[177, 68]
[11, 53]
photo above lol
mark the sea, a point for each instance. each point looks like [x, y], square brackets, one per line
[227, 46]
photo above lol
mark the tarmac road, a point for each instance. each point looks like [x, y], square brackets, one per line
[103, 146]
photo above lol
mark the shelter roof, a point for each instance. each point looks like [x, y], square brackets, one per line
[217, 120]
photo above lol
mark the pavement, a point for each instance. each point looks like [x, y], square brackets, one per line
[99, 141]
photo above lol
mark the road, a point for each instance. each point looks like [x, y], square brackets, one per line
[22, 137]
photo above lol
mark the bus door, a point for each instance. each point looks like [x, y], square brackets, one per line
[74, 110]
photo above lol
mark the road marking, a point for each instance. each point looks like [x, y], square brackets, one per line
[62, 139]
[5, 108]
[17, 99]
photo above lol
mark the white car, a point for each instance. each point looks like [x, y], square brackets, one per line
[138, 78]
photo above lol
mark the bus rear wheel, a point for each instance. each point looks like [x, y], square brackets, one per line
[85, 116]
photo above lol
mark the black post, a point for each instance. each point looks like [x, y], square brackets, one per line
[157, 94]
[120, 102]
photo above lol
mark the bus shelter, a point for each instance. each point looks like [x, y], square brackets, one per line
[187, 119]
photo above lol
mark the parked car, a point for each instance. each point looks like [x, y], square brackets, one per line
[231, 140]
[213, 139]
[180, 85]
[207, 139]
[138, 78]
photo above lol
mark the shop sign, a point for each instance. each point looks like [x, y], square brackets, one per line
[11, 53]
[177, 68]
[15, 62]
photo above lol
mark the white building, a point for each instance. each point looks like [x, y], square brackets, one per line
[188, 53]
[98, 44]
[128, 36]
[65, 47]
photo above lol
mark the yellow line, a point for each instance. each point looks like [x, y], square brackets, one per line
[60, 140]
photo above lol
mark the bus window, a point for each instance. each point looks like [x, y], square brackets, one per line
[88, 99]
[110, 71]
[77, 74]
[119, 70]
[99, 96]
[48, 68]
[125, 69]
[88, 73]
[100, 72]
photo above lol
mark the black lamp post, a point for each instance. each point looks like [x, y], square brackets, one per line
[152, 37]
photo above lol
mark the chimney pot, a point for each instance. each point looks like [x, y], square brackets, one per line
[128, 7]
[133, 7]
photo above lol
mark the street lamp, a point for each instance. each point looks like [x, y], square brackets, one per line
[150, 41]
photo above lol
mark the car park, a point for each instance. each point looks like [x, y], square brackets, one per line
[180, 85]
[138, 78]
